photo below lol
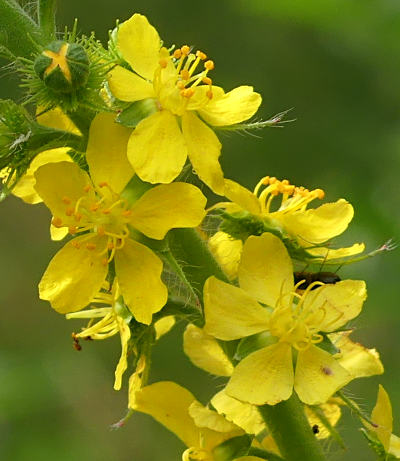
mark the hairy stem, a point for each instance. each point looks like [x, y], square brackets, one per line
[18, 32]
[47, 18]
[291, 431]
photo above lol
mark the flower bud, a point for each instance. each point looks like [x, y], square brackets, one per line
[64, 67]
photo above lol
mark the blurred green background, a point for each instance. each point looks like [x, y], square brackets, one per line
[337, 63]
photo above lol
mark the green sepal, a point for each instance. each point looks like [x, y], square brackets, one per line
[253, 343]
[327, 345]
[376, 445]
[136, 112]
[233, 448]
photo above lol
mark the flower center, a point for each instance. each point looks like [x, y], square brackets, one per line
[293, 198]
[180, 77]
[297, 323]
[99, 212]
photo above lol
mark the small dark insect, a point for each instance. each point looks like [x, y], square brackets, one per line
[315, 429]
[75, 343]
[310, 277]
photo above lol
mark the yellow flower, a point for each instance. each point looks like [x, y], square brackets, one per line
[382, 417]
[199, 428]
[293, 321]
[308, 228]
[161, 143]
[94, 208]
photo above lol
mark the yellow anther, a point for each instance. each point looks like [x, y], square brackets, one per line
[201, 55]
[94, 207]
[320, 193]
[163, 63]
[91, 246]
[110, 245]
[69, 211]
[209, 94]
[185, 50]
[285, 182]
[72, 230]
[75, 244]
[207, 80]
[106, 211]
[104, 261]
[87, 188]
[101, 231]
[188, 93]
[185, 74]
[272, 180]
[78, 217]
[66, 200]
[180, 85]
[103, 184]
[209, 65]
[57, 222]
[177, 53]
[127, 213]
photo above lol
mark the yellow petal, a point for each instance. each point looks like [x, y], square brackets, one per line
[73, 277]
[242, 197]
[318, 376]
[139, 276]
[327, 254]
[125, 334]
[136, 381]
[264, 377]
[156, 148]
[355, 358]
[127, 86]
[382, 415]
[339, 303]
[205, 352]
[317, 225]
[242, 414]
[227, 251]
[164, 325]
[106, 152]
[204, 150]
[55, 181]
[166, 207]
[139, 44]
[234, 107]
[25, 188]
[204, 417]
[55, 118]
[231, 313]
[168, 403]
[266, 270]
[394, 448]
[58, 233]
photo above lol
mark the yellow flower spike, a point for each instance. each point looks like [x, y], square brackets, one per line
[180, 84]
[95, 209]
[294, 322]
[205, 352]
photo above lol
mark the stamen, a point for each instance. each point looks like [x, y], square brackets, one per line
[209, 65]
[91, 246]
[57, 222]
[69, 211]
[163, 63]
[207, 80]
[185, 50]
[201, 55]
[66, 200]
[72, 230]
[87, 188]
[177, 53]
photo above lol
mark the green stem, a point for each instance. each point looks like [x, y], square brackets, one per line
[47, 18]
[18, 32]
[291, 431]
[187, 245]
